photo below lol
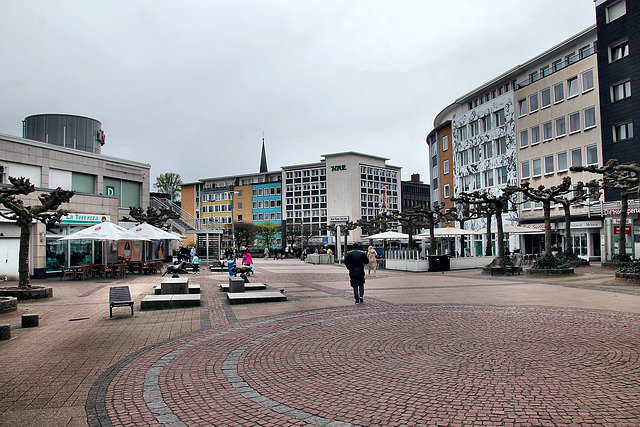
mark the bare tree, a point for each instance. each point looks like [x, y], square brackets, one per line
[578, 194]
[46, 212]
[623, 178]
[156, 217]
[434, 215]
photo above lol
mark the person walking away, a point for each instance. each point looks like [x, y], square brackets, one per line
[247, 259]
[355, 260]
[373, 262]
[266, 253]
[196, 264]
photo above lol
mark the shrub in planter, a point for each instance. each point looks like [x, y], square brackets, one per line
[570, 258]
[550, 262]
[622, 258]
[632, 267]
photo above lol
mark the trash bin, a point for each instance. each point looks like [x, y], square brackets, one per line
[230, 264]
[434, 263]
[445, 262]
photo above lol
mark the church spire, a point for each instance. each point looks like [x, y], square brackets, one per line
[263, 160]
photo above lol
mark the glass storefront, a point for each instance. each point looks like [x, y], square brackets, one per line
[70, 253]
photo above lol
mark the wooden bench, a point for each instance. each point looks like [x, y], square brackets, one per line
[218, 264]
[119, 296]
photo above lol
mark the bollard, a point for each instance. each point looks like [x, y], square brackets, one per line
[30, 320]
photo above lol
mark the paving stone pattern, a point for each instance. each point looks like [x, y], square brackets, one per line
[424, 349]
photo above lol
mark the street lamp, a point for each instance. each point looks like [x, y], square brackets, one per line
[233, 228]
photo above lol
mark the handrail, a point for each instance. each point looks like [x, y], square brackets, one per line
[557, 67]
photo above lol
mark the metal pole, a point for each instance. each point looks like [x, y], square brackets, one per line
[338, 243]
[207, 247]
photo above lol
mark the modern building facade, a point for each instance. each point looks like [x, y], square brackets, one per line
[105, 188]
[531, 123]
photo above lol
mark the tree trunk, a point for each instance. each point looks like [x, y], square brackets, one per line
[500, 237]
[567, 228]
[624, 199]
[23, 258]
[462, 242]
[432, 235]
[546, 207]
[488, 250]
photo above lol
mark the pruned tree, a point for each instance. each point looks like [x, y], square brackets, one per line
[294, 233]
[411, 219]
[378, 224]
[156, 217]
[491, 205]
[245, 233]
[578, 195]
[267, 233]
[433, 215]
[46, 212]
[466, 212]
[345, 228]
[546, 196]
[169, 183]
[617, 177]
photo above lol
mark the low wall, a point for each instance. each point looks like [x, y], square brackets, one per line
[320, 259]
[423, 264]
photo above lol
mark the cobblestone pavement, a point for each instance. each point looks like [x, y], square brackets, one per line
[425, 349]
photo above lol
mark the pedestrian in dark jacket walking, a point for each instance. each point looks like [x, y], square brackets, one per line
[355, 261]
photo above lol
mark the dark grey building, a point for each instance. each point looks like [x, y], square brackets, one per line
[618, 27]
[64, 130]
[415, 194]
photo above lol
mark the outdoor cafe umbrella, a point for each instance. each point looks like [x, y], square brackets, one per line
[388, 235]
[104, 231]
[515, 229]
[151, 232]
[447, 232]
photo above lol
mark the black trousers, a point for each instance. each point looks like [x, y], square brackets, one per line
[357, 283]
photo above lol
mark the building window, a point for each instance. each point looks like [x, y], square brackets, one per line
[475, 154]
[558, 93]
[522, 107]
[589, 117]
[548, 165]
[574, 122]
[572, 87]
[533, 103]
[618, 50]
[622, 131]
[524, 138]
[488, 178]
[616, 10]
[547, 131]
[445, 143]
[557, 65]
[486, 123]
[537, 167]
[501, 146]
[562, 162]
[561, 127]
[446, 191]
[445, 167]
[524, 170]
[592, 154]
[535, 135]
[476, 181]
[502, 175]
[545, 97]
[587, 81]
[464, 158]
[465, 183]
[500, 119]
[488, 150]
[576, 157]
[462, 133]
[475, 128]
[620, 91]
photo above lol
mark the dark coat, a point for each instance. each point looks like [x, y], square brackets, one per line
[355, 261]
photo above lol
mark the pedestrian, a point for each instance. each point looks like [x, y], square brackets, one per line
[193, 252]
[247, 259]
[355, 260]
[373, 262]
[266, 253]
[196, 264]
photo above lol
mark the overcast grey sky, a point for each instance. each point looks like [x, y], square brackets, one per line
[190, 86]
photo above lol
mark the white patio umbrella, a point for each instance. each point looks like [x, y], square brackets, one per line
[515, 229]
[104, 231]
[388, 235]
[153, 233]
[447, 232]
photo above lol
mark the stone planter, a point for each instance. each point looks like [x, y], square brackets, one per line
[613, 264]
[35, 292]
[550, 271]
[582, 263]
[8, 304]
[628, 276]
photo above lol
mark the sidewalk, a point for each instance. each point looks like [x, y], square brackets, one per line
[212, 364]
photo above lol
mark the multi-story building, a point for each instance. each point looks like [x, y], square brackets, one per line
[533, 122]
[341, 187]
[618, 72]
[67, 155]
[415, 195]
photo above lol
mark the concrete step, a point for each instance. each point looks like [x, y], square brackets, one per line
[157, 302]
[254, 297]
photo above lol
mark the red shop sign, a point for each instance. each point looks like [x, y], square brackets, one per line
[616, 229]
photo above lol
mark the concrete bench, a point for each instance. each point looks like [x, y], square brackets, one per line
[193, 289]
[158, 302]
[119, 296]
[174, 285]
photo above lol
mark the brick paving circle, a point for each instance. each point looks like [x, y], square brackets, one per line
[389, 365]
